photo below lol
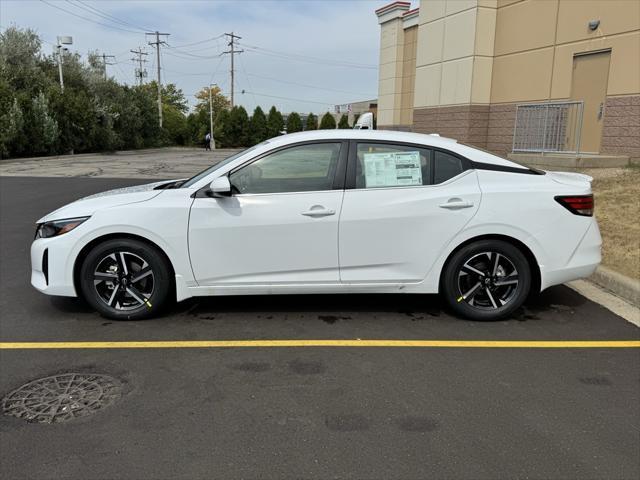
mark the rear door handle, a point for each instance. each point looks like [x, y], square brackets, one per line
[456, 204]
[318, 211]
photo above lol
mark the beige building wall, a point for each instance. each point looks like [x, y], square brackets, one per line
[454, 64]
[477, 59]
[535, 45]
[408, 75]
[535, 42]
[398, 46]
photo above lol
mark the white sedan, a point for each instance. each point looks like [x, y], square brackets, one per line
[331, 211]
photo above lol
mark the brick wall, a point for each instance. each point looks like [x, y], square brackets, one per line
[466, 123]
[491, 126]
[502, 119]
[621, 127]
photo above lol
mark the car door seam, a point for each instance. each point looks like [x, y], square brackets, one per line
[193, 201]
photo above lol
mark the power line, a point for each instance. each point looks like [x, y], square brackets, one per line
[182, 74]
[306, 58]
[287, 98]
[180, 54]
[192, 51]
[124, 75]
[315, 87]
[94, 11]
[200, 42]
[248, 81]
[216, 71]
[88, 19]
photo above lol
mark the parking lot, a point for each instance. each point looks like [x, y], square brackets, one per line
[463, 410]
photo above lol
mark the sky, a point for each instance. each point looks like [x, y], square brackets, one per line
[304, 55]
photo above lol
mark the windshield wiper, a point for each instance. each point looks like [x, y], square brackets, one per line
[170, 185]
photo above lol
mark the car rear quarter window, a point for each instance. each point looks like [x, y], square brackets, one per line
[447, 166]
[380, 165]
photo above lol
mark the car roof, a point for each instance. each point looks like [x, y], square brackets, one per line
[389, 135]
[394, 136]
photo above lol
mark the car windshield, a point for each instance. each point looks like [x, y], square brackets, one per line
[218, 165]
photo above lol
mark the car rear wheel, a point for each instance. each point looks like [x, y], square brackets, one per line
[486, 280]
[125, 279]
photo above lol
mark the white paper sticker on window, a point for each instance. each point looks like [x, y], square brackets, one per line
[392, 169]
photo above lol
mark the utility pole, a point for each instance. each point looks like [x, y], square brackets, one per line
[105, 63]
[213, 142]
[157, 44]
[232, 52]
[140, 72]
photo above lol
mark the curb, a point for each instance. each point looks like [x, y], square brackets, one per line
[618, 284]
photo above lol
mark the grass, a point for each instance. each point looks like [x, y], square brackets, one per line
[617, 195]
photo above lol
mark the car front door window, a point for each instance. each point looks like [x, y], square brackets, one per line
[303, 168]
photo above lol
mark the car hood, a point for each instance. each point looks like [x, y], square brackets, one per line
[87, 206]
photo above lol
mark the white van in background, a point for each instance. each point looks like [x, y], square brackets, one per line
[365, 122]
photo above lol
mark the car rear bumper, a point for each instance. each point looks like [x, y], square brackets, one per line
[582, 263]
[49, 271]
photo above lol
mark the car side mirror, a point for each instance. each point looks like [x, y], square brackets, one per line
[220, 187]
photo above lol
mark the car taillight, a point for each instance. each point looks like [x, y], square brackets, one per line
[577, 204]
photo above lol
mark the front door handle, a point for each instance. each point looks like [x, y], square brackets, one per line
[318, 211]
[455, 204]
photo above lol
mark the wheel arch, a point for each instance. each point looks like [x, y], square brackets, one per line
[536, 275]
[77, 265]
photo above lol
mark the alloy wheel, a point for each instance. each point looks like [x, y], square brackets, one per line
[488, 281]
[124, 281]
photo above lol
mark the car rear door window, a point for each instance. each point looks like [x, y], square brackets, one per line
[447, 166]
[380, 165]
[302, 168]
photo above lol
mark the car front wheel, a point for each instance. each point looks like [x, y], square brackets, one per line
[125, 279]
[486, 280]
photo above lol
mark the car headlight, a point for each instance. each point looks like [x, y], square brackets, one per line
[58, 227]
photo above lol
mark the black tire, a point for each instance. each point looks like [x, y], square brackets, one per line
[130, 293]
[478, 289]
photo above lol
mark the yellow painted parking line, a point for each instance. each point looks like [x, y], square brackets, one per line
[327, 343]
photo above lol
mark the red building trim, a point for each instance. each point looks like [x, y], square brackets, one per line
[391, 6]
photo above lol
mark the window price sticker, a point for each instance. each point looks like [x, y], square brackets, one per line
[393, 169]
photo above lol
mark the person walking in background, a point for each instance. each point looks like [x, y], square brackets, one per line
[207, 141]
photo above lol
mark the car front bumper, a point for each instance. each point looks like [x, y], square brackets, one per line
[51, 272]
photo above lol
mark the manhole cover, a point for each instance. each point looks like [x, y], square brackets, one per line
[61, 398]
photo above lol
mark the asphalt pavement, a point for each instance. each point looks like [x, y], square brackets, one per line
[314, 412]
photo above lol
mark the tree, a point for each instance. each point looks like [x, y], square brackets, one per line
[257, 127]
[171, 95]
[344, 122]
[218, 100]
[294, 123]
[327, 122]
[175, 125]
[238, 131]
[11, 124]
[198, 125]
[221, 126]
[275, 123]
[44, 126]
[91, 114]
[312, 122]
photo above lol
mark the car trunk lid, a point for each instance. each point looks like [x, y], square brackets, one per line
[571, 179]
